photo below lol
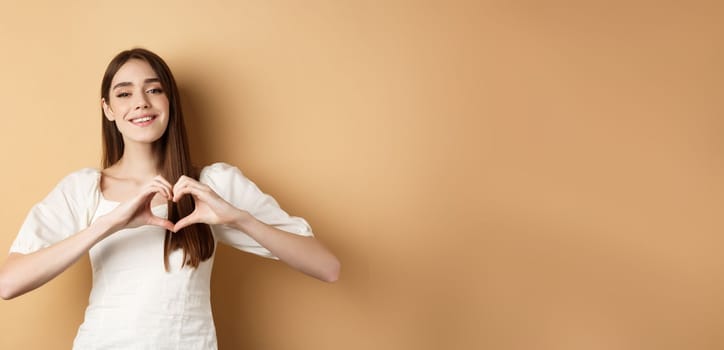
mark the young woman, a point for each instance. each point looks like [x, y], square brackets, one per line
[151, 222]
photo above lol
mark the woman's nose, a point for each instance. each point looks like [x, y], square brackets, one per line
[142, 102]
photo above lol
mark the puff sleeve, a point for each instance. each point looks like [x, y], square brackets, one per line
[229, 183]
[66, 210]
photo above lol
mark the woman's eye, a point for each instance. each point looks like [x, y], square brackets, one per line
[123, 94]
[155, 91]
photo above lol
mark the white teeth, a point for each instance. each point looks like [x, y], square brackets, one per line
[141, 120]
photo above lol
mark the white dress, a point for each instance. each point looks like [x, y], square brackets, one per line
[134, 302]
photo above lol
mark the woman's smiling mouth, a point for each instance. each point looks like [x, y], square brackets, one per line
[144, 120]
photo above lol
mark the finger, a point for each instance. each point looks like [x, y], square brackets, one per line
[156, 187]
[187, 221]
[180, 183]
[180, 192]
[192, 189]
[155, 220]
[184, 181]
[166, 190]
[163, 180]
[146, 194]
[165, 184]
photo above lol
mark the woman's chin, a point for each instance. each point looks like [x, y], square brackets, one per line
[141, 139]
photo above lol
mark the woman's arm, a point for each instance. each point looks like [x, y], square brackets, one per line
[22, 273]
[305, 254]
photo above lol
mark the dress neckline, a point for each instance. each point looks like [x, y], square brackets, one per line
[104, 199]
[115, 203]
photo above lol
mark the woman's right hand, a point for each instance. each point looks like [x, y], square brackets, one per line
[137, 211]
[24, 272]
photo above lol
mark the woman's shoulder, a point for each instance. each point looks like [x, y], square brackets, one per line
[219, 169]
[220, 174]
[81, 180]
[84, 173]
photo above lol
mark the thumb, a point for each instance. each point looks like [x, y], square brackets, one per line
[187, 221]
[163, 223]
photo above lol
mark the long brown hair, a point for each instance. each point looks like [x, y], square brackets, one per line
[172, 153]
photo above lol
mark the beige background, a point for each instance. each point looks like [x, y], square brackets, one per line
[519, 175]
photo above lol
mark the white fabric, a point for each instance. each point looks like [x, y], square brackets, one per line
[134, 302]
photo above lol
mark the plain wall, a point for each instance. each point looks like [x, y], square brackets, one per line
[492, 175]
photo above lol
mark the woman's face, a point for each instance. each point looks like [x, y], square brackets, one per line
[137, 103]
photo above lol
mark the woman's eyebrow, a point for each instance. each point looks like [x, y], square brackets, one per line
[128, 83]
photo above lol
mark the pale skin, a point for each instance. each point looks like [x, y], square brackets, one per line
[135, 93]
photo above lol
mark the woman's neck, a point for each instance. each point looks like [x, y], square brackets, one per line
[138, 161]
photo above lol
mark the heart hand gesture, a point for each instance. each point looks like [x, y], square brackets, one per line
[137, 211]
[210, 208]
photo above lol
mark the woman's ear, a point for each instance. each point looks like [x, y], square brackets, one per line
[107, 110]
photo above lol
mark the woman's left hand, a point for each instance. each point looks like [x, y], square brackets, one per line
[210, 208]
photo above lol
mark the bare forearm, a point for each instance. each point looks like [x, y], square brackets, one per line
[22, 273]
[305, 254]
